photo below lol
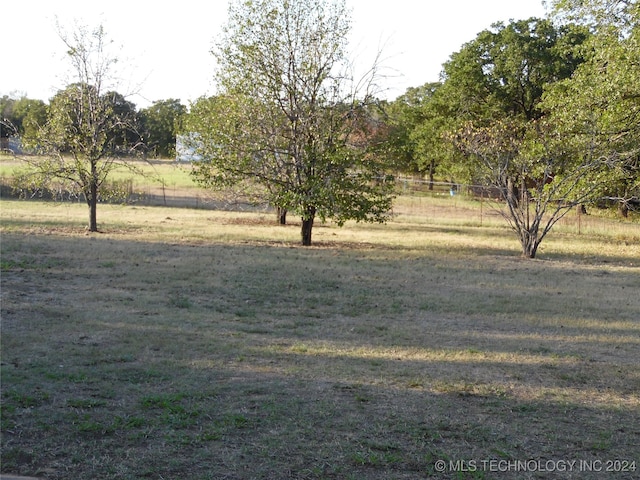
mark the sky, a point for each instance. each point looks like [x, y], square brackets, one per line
[163, 49]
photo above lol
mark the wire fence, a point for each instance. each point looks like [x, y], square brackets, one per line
[418, 200]
[479, 205]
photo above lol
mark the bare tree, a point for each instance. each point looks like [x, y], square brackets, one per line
[85, 121]
[538, 182]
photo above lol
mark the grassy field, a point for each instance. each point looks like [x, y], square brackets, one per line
[156, 172]
[201, 344]
[162, 181]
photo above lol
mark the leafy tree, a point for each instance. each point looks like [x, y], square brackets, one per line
[84, 123]
[161, 122]
[287, 116]
[503, 72]
[21, 117]
[412, 136]
[8, 127]
[493, 88]
[125, 136]
[599, 15]
[528, 164]
[598, 108]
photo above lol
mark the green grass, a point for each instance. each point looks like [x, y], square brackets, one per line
[154, 172]
[150, 182]
[202, 344]
[158, 172]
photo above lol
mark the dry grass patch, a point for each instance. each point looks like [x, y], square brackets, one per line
[206, 345]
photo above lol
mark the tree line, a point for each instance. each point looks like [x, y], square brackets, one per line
[149, 131]
[545, 112]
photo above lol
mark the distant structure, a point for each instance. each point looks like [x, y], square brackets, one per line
[9, 139]
[185, 148]
[11, 145]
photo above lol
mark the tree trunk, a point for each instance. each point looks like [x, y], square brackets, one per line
[512, 195]
[530, 243]
[282, 215]
[93, 198]
[530, 250]
[307, 225]
[623, 209]
[93, 208]
[432, 171]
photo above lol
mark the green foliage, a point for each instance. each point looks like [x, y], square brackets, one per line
[504, 71]
[161, 122]
[538, 181]
[485, 123]
[599, 15]
[80, 122]
[124, 135]
[84, 131]
[597, 110]
[21, 117]
[285, 117]
[413, 135]
[501, 73]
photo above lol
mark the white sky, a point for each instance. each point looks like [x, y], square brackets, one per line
[163, 47]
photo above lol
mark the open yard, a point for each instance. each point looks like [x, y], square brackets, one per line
[200, 344]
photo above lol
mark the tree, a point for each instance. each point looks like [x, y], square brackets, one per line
[600, 15]
[9, 124]
[536, 177]
[125, 134]
[503, 71]
[288, 116]
[85, 122]
[494, 88]
[598, 108]
[161, 122]
[412, 135]
[22, 116]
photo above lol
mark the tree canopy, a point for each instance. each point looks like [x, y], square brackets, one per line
[597, 110]
[21, 117]
[289, 117]
[160, 123]
[486, 124]
[504, 70]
